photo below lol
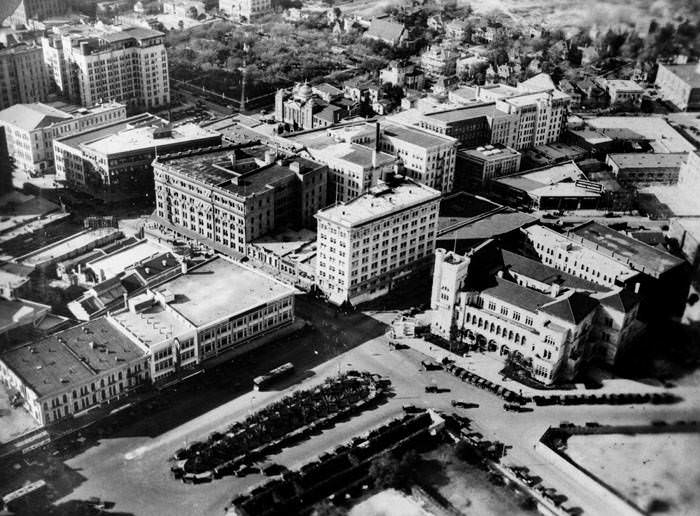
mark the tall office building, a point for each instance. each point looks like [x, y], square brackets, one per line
[91, 65]
[368, 244]
[23, 77]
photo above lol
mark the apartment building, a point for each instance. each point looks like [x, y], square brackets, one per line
[368, 244]
[90, 65]
[23, 77]
[68, 373]
[32, 128]
[624, 92]
[230, 196]
[115, 162]
[519, 309]
[680, 85]
[245, 9]
[600, 254]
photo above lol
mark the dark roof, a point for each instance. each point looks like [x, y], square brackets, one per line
[623, 300]
[514, 294]
[157, 265]
[573, 308]
[538, 271]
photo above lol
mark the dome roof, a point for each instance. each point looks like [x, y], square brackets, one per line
[305, 90]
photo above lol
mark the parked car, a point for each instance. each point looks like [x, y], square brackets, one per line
[514, 407]
[464, 404]
[412, 409]
[431, 388]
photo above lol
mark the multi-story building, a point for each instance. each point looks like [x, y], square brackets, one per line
[624, 92]
[477, 166]
[210, 313]
[367, 245]
[219, 308]
[32, 128]
[600, 254]
[643, 168]
[439, 60]
[548, 323]
[23, 77]
[689, 174]
[680, 85]
[245, 9]
[404, 74]
[230, 196]
[114, 162]
[26, 12]
[90, 65]
[302, 108]
[70, 372]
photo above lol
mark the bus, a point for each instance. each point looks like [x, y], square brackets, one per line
[261, 382]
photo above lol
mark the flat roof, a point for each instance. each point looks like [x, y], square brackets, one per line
[153, 325]
[117, 262]
[415, 136]
[486, 227]
[139, 138]
[33, 116]
[639, 255]
[98, 133]
[67, 246]
[665, 139]
[489, 152]
[72, 357]
[289, 242]
[381, 201]
[466, 113]
[221, 288]
[625, 85]
[547, 177]
[646, 160]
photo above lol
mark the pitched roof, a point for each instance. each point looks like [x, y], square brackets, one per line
[32, 116]
[622, 300]
[517, 295]
[385, 30]
[573, 308]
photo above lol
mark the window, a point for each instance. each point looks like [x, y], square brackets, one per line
[516, 316]
[492, 306]
[504, 310]
[528, 320]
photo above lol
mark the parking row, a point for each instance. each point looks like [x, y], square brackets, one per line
[483, 383]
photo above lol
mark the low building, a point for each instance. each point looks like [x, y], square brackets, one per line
[16, 314]
[661, 137]
[680, 85]
[557, 187]
[439, 61]
[643, 168]
[226, 196]
[70, 372]
[368, 244]
[32, 128]
[114, 162]
[387, 31]
[404, 74]
[477, 166]
[217, 308]
[624, 92]
[521, 310]
[69, 247]
[290, 256]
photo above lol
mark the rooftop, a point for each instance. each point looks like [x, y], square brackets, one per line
[687, 72]
[220, 288]
[98, 133]
[627, 249]
[624, 85]
[664, 138]
[289, 242]
[381, 201]
[517, 295]
[67, 246]
[556, 180]
[538, 271]
[466, 113]
[153, 325]
[117, 262]
[72, 357]
[572, 308]
[415, 136]
[352, 153]
[32, 116]
[489, 226]
[646, 160]
[489, 152]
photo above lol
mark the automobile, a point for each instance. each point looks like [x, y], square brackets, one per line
[431, 388]
[592, 424]
[550, 216]
[514, 407]
[429, 365]
[464, 404]
[412, 409]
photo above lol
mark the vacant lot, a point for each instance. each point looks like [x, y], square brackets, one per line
[653, 471]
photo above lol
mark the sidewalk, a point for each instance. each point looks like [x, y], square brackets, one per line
[489, 367]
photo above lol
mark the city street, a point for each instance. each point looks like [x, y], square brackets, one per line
[116, 468]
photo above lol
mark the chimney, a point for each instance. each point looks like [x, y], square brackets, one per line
[295, 167]
[232, 157]
[269, 157]
[183, 267]
[374, 158]
[376, 137]
[636, 288]
[147, 270]
[555, 289]
[500, 274]
[125, 296]
[164, 263]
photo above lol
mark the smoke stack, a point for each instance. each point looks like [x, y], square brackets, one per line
[183, 267]
[636, 288]
[376, 137]
[374, 158]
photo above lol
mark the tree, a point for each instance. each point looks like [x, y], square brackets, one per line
[328, 508]
[192, 12]
[387, 471]
[181, 25]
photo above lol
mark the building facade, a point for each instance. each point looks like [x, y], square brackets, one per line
[23, 77]
[641, 168]
[624, 92]
[230, 196]
[28, 11]
[245, 9]
[302, 108]
[127, 65]
[368, 244]
[477, 166]
[32, 128]
[680, 85]
[439, 60]
[115, 162]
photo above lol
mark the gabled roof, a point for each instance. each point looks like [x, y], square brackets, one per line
[517, 295]
[385, 30]
[623, 300]
[32, 116]
[573, 308]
